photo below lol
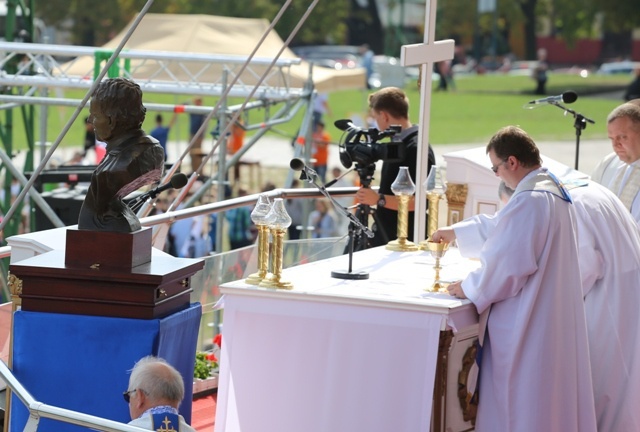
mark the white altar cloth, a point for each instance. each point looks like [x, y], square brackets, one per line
[335, 354]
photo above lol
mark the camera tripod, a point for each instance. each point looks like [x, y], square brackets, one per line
[360, 241]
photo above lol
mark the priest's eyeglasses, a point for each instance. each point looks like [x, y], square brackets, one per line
[127, 395]
[494, 168]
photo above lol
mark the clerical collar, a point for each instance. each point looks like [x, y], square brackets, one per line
[159, 410]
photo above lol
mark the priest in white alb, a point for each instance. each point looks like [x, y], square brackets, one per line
[620, 170]
[535, 374]
[609, 248]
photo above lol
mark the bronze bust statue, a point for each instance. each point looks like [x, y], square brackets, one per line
[133, 158]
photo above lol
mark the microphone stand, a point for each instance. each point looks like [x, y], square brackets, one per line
[579, 124]
[355, 226]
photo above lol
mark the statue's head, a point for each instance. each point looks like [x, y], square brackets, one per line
[116, 108]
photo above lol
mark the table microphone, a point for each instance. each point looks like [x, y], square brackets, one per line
[566, 97]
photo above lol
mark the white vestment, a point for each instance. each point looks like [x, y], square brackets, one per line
[535, 373]
[606, 173]
[609, 246]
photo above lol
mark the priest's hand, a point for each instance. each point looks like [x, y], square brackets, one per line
[446, 235]
[455, 289]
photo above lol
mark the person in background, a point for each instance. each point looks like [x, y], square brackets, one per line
[322, 220]
[320, 108]
[620, 171]
[321, 140]
[390, 106]
[367, 62]
[195, 123]
[294, 207]
[540, 72]
[633, 90]
[161, 132]
[241, 226]
[189, 238]
[443, 69]
[235, 141]
[155, 392]
[529, 296]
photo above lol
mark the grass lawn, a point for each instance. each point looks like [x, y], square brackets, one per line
[480, 105]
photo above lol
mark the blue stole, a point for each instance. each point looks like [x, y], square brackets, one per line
[165, 422]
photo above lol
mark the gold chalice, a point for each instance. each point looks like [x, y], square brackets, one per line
[437, 250]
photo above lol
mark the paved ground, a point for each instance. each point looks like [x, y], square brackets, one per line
[275, 152]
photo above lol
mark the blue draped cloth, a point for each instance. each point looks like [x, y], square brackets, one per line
[82, 363]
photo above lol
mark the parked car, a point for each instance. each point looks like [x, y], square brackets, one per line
[619, 67]
[330, 56]
[387, 72]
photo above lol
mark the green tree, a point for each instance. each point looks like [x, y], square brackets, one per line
[94, 23]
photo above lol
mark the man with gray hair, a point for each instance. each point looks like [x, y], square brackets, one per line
[620, 170]
[155, 392]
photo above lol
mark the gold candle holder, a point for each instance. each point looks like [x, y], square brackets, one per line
[403, 187]
[435, 192]
[259, 217]
[437, 250]
[263, 256]
[278, 221]
[273, 280]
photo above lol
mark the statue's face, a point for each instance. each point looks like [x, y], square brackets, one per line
[102, 124]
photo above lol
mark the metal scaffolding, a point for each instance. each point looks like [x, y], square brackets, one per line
[44, 67]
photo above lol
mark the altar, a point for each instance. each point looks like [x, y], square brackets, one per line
[380, 354]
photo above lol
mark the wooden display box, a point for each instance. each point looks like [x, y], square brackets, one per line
[108, 250]
[151, 290]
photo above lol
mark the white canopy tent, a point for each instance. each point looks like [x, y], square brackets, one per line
[216, 35]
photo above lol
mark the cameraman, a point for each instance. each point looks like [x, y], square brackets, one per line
[389, 107]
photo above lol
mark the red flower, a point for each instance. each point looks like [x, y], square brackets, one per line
[218, 340]
[212, 357]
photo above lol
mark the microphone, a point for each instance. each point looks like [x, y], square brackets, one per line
[298, 165]
[177, 181]
[566, 97]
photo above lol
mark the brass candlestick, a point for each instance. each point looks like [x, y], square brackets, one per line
[403, 187]
[259, 217]
[435, 192]
[263, 256]
[437, 250]
[272, 280]
[278, 221]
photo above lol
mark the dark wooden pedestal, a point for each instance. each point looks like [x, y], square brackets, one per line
[106, 274]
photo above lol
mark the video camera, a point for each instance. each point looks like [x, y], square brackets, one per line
[361, 145]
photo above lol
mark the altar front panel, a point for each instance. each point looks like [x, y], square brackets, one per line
[296, 366]
[335, 354]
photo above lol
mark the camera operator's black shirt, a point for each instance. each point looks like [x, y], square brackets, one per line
[387, 220]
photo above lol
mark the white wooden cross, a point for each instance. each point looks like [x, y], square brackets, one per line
[425, 54]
